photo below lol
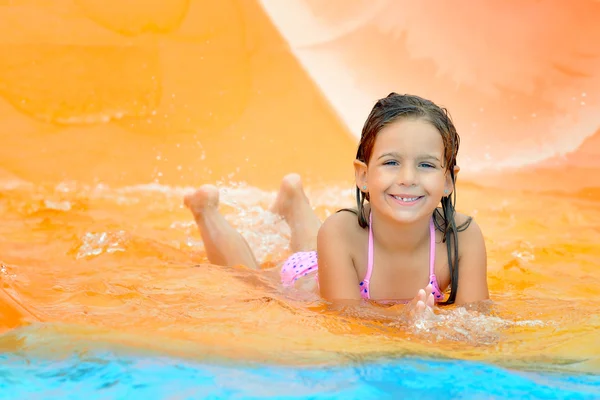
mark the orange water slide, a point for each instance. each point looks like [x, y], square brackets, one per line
[520, 78]
[180, 92]
[201, 91]
[183, 92]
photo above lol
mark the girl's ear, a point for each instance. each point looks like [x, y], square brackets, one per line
[449, 186]
[360, 175]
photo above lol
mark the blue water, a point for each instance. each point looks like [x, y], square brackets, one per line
[108, 376]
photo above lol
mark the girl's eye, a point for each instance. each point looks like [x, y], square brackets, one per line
[390, 162]
[427, 165]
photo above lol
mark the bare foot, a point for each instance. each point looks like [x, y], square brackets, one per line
[293, 205]
[290, 192]
[203, 199]
[223, 244]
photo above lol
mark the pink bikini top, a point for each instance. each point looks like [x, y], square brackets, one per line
[364, 285]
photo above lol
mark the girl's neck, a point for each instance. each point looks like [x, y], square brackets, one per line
[395, 236]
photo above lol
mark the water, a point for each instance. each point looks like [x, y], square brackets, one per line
[121, 271]
[105, 287]
[107, 375]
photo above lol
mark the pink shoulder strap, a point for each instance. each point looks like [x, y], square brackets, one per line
[367, 278]
[370, 257]
[431, 248]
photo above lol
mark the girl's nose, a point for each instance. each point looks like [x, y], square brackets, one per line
[407, 176]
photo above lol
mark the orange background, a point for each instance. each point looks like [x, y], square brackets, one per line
[99, 98]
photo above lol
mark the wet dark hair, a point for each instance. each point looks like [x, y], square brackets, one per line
[395, 107]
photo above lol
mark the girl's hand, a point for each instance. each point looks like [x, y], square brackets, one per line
[422, 305]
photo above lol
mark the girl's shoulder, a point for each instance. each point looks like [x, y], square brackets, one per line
[464, 223]
[344, 225]
[472, 260]
[470, 235]
[344, 218]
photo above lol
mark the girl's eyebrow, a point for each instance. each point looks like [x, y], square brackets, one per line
[398, 155]
[429, 157]
[391, 154]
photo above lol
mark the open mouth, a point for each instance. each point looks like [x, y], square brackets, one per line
[406, 199]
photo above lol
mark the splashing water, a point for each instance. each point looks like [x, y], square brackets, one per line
[135, 248]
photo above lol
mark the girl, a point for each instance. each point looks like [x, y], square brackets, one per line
[398, 242]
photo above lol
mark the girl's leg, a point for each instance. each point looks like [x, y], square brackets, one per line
[293, 205]
[224, 245]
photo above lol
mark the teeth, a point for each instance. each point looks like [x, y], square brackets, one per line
[407, 199]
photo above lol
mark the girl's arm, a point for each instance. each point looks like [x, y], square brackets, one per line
[472, 272]
[338, 281]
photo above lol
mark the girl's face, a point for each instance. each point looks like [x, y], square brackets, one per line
[406, 176]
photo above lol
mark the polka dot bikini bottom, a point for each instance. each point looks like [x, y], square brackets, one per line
[298, 265]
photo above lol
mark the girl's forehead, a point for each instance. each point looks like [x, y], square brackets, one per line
[409, 135]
